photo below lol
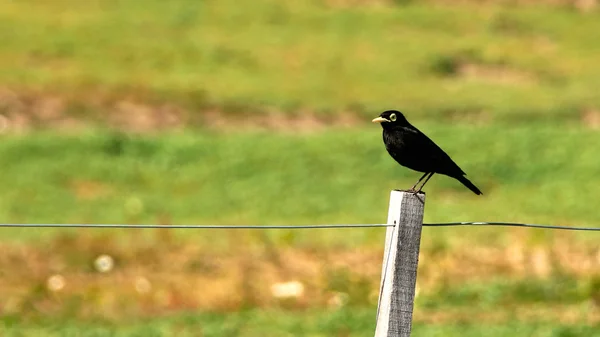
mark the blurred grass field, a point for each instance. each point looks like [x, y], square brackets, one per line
[541, 174]
[275, 324]
[482, 62]
[221, 112]
[339, 176]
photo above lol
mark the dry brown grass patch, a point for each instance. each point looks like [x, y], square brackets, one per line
[167, 274]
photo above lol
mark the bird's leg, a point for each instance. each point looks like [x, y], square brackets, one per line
[425, 182]
[417, 183]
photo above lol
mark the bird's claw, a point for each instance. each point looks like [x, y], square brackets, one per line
[414, 191]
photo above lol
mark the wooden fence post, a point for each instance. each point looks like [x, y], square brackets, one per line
[400, 261]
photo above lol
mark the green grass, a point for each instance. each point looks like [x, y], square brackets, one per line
[531, 62]
[345, 322]
[527, 174]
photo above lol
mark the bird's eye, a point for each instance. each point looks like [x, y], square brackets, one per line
[393, 117]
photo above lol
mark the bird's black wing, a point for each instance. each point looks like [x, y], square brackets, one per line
[429, 157]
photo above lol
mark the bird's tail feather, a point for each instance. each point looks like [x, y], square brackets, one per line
[469, 184]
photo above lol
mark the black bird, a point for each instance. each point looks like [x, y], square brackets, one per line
[411, 148]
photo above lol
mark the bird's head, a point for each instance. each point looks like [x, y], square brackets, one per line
[390, 119]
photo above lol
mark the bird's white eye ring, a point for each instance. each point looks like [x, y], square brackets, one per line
[393, 117]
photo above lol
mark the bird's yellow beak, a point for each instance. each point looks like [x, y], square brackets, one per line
[380, 120]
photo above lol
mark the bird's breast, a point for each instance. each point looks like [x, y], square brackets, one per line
[400, 147]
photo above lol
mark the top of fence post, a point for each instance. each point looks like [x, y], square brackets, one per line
[400, 261]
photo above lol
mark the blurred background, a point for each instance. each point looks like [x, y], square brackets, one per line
[258, 112]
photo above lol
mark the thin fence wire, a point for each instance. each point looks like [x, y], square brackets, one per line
[323, 226]
[143, 226]
[511, 224]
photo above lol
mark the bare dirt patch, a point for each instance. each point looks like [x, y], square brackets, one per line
[495, 74]
[29, 111]
[583, 6]
[591, 118]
